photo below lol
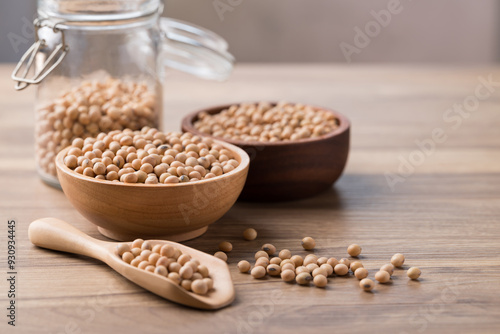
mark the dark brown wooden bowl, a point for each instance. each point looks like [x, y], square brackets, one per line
[283, 171]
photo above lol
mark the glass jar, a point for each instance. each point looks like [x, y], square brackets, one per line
[99, 66]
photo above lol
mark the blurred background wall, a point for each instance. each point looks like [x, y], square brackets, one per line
[443, 31]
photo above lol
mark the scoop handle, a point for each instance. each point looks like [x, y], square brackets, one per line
[53, 233]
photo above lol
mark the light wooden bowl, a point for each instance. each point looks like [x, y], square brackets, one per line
[175, 212]
[289, 170]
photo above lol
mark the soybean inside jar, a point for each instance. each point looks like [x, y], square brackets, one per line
[99, 67]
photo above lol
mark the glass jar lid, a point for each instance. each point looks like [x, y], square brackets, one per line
[185, 47]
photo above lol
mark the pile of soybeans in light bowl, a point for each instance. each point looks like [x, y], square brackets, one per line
[149, 156]
[148, 183]
[297, 150]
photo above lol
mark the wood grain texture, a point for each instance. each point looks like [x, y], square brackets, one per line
[284, 171]
[444, 217]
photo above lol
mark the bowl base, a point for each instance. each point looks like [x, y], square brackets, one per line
[170, 237]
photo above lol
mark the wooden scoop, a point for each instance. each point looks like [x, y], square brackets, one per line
[58, 235]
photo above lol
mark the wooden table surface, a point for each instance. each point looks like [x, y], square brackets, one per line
[443, 212]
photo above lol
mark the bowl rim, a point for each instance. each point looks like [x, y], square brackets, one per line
[244, 163]
[187, 123]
